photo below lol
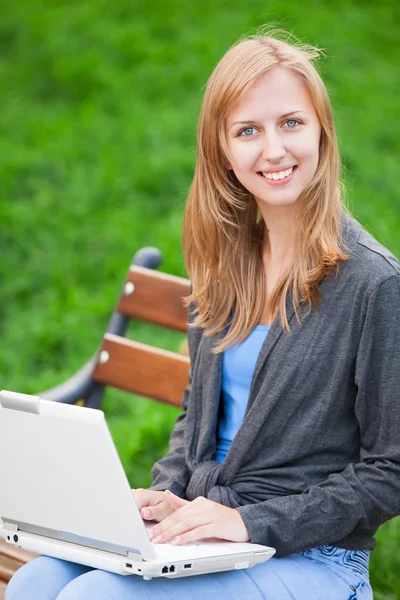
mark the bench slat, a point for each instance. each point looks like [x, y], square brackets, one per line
[142, 369]
[3, 586]
[11, 559]
[8, 566]
[156, 298]
[16, 553]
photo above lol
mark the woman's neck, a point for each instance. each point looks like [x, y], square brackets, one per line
[280, 231]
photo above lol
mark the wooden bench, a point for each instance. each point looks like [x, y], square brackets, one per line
[11, 559]
[123, 363]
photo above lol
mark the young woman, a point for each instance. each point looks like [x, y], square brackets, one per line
[290, 431]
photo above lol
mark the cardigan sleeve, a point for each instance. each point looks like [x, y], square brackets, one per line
[171, 472]
[367, 493]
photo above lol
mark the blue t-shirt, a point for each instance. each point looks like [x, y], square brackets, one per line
[238, 363]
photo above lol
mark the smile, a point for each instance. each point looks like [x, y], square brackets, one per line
[278, 177]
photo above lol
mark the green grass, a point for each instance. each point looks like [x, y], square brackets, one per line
[99, 103]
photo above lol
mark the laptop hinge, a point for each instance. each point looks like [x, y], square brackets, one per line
[41, 531]
[22, 402]
[135, 556]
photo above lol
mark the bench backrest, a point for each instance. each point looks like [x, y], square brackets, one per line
[142, 369]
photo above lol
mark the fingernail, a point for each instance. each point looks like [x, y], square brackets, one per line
[146, 512]
[151, 534]
[176, 540]
[157, 539]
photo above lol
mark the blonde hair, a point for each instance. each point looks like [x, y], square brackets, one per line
[223, 232]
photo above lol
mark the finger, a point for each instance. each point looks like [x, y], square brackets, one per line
[178, 529]
[175, 501]
[157, 513]
[144, 497]
[198, 533]
[141, 497]
[175, 517]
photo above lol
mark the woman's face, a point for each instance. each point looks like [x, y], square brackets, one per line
[273, 136]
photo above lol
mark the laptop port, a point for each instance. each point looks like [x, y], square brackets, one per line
[128, 565]
[164, 570]
[172, 569]
[187, 566]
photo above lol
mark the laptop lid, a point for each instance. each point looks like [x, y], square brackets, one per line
[60, 472]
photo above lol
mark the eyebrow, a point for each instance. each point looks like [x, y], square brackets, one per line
[251, 122]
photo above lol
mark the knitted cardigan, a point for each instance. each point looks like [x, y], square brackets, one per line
[317, 458]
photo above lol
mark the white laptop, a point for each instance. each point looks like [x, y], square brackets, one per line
[64, 493]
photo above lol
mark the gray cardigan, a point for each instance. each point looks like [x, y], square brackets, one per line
[317, 458]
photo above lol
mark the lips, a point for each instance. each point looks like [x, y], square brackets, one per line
[278, 177]
[278, 174]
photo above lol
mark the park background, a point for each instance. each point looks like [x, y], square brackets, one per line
[99, 104]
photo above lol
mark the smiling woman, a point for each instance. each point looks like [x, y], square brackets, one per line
[270, 180]
[289, 430]
[266, 141]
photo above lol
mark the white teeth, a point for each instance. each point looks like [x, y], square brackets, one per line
[278, 175]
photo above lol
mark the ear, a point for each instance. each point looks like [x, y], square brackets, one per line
[223, 147]
[227, 163]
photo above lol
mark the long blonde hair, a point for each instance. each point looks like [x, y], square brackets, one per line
[223, 232]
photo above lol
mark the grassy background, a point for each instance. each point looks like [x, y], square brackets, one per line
[99, 103]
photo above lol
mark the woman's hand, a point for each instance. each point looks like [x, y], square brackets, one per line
[199, 519]
[152, 504]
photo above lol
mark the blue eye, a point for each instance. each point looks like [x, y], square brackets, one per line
[292, 123]
[247, 131]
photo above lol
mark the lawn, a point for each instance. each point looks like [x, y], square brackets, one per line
[97, 139]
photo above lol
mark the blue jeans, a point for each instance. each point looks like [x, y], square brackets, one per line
[324, 573]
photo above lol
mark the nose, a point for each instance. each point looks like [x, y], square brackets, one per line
[273, 148]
